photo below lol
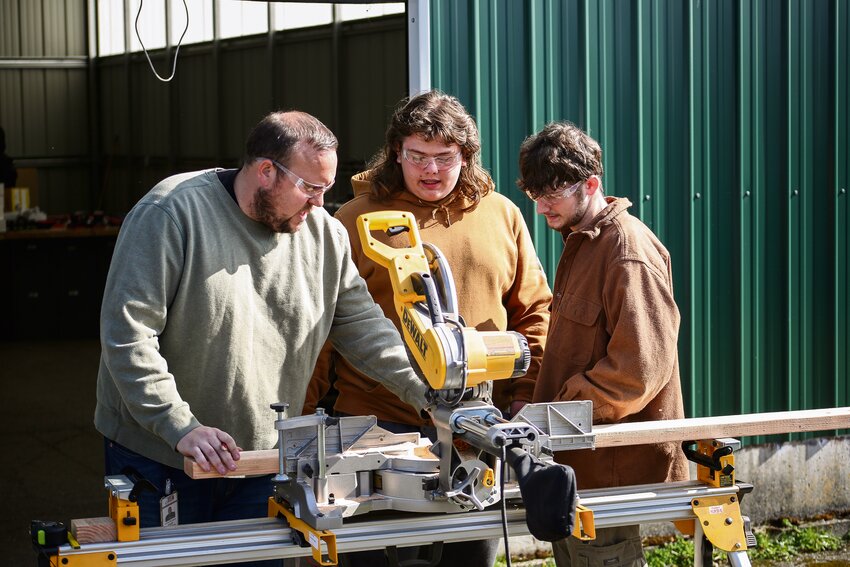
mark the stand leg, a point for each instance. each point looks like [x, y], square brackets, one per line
[738, 559]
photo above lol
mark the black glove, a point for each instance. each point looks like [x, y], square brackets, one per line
[549, 494]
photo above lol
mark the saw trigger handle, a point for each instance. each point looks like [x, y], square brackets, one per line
[394, 230]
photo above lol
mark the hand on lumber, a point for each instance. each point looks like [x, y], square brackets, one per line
[210, 447]
[251, 463]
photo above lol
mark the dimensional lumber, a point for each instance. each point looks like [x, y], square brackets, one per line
[637, 433]
[249, 463]
[697, 428]
[94, 530]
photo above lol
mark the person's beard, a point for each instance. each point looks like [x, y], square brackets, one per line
[264, 213]
[582, 204]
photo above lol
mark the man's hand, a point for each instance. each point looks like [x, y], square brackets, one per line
[210, 446]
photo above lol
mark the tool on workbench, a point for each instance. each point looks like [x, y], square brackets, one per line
[330, 469]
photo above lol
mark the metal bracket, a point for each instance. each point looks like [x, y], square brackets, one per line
[312, 537]
[123, 509]
[720, 519]
[585, 525]
[563, 425]
[92, 559]
[714, 459]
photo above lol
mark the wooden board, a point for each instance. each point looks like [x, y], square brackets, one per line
[94, 530]
[249, 463]
[638, 433]
[697, 428]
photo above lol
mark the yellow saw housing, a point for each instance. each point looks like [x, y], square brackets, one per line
[450, 355]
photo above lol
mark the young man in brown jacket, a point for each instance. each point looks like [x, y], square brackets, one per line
[613, 329]
[430, 166]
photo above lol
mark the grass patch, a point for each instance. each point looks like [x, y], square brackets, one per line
[786, 544]
[782, 546]
[792, 541]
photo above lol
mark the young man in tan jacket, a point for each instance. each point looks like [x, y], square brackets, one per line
[430, 166]
[613, 330]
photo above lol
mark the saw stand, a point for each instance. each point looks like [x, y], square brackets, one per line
[303, 523]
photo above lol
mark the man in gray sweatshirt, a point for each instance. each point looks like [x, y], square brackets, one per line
[224, 286]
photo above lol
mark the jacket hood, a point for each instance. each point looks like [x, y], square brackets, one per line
[445, 211]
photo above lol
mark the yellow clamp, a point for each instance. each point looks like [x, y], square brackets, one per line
[126, 517]
[311, 535]
[720, 518]
[585, 526]
[717, 450]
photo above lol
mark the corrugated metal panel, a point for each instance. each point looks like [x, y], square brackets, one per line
[244, 106]
[842, 199]
[151, 129]
[32, 30]
[44, 105]
[11, 117]
[196, 85]
[716, 119]
[298, 85]
[76, 28]
[33, 108]
[55, 36]
[10, 30]
[372, 89]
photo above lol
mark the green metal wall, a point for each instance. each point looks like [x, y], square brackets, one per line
[726, 123]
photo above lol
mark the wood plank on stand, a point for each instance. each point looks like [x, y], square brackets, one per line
[621, 434]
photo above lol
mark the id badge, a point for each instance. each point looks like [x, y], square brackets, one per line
[168, 510]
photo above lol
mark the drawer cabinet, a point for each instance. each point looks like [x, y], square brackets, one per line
[54, 286]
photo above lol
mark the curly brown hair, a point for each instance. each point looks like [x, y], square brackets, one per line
[433, 115]
[560, 154]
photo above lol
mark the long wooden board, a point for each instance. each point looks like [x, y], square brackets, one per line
[696, 428]
[638, 433]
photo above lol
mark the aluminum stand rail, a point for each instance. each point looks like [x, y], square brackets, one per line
[266, 538]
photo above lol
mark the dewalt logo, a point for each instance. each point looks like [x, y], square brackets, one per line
[417, 337]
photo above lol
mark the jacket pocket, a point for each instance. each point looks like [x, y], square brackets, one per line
[578, 326]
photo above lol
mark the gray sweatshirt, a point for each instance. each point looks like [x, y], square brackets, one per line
[208, 317]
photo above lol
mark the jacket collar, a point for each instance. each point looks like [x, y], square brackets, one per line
[616, 206]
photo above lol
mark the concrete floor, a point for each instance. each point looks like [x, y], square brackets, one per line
[53, 461]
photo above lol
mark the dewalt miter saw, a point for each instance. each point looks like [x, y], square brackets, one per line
[451, 355]
[456, 360]
[338, 467]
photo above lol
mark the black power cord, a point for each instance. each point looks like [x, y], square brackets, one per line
[505, 508]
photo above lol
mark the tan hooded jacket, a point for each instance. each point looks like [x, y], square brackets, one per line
[500, 285]
[613, 340]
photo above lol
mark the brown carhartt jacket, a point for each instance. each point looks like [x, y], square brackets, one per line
[500, 286]
[612, 340]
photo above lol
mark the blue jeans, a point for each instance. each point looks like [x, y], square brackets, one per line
[208, 500]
